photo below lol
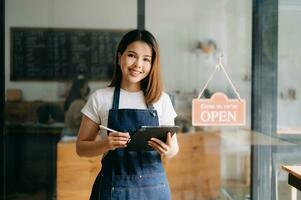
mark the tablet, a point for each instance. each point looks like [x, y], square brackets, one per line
[139, 140]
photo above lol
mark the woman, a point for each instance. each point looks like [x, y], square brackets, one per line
[73, 105]
[133, 99]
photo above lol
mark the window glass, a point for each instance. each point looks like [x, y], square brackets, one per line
[289, 98]
[289, 84]
[191, 34]
[39, 165]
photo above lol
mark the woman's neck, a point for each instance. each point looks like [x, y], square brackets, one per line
[131, 87]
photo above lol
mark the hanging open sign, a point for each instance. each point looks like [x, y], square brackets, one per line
[218, 111]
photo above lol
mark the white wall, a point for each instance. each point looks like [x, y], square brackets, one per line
[68, 14]
[289, 64]
[179, 25]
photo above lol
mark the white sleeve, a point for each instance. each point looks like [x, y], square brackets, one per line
[92, 107]
[168, 113]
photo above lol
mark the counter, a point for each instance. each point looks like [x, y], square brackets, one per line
[294, 179]
[194, 173]
[30, 151]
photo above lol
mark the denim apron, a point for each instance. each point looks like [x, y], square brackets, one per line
[131, 175]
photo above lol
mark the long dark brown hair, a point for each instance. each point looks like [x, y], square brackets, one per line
[75, 91]
[152, 84]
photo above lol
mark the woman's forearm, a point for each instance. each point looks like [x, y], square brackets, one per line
[91, 148]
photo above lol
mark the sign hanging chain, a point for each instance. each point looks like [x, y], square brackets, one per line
[211, 76]
[217, 67]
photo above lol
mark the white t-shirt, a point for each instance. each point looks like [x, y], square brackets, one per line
[100, 102]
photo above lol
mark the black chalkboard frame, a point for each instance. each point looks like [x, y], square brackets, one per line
[90, 74]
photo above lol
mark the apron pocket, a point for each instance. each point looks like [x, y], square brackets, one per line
[158, 192]
[140, 187]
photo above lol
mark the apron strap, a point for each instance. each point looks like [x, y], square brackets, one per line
[116, 98]
[152, 110]
[151, 107]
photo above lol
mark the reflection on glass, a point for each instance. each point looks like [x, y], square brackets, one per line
[289, 101]
[215, 162]
[289, 67]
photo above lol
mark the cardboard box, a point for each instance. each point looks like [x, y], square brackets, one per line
[14, 95]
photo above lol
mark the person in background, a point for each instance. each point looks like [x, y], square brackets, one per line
[73, 105]
[134, 98]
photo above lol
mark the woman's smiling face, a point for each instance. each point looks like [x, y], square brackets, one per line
[135, 63]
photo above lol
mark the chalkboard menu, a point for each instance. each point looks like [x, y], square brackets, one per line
[61, 54]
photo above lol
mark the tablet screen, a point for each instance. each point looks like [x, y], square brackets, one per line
[139, 140]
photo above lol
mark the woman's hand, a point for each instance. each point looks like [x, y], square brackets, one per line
[117, 140]
[168, 149]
